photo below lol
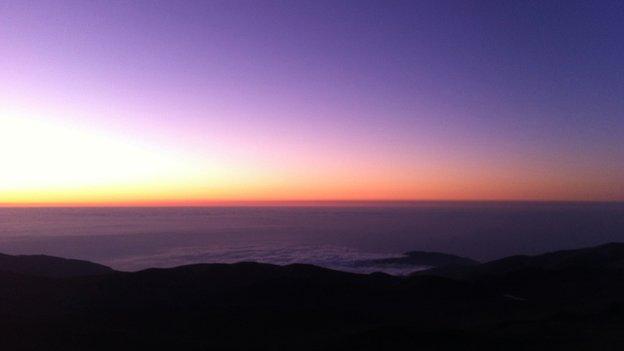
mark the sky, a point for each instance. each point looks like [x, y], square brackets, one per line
[184, 102]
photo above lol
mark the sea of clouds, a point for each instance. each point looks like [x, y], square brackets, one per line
[328, 256]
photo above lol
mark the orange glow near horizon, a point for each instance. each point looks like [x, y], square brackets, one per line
[48, 164]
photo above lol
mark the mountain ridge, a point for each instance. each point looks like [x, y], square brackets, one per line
[50, 266]
[567, 300]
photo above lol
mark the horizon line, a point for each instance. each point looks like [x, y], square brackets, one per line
[293, 203]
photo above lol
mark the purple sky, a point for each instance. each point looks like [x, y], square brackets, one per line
[314, 99]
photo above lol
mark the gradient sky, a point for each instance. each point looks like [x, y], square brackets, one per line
[183, 102]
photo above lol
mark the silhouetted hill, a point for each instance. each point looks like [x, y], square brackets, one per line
[608, 256]
[567, 300]
[48, 266]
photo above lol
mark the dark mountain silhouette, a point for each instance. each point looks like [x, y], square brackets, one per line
[567, 300]
[608, 256]
[421, 258]
[49, 266]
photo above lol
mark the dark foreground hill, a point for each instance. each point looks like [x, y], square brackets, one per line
[570, 300]
[604, 257]
[48, 266]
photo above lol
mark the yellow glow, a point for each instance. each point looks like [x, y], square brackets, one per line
[42, 161]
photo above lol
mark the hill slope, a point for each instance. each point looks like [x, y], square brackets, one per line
[49, 266]
[607, 256]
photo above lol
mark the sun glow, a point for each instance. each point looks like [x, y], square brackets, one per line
[43, 160]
